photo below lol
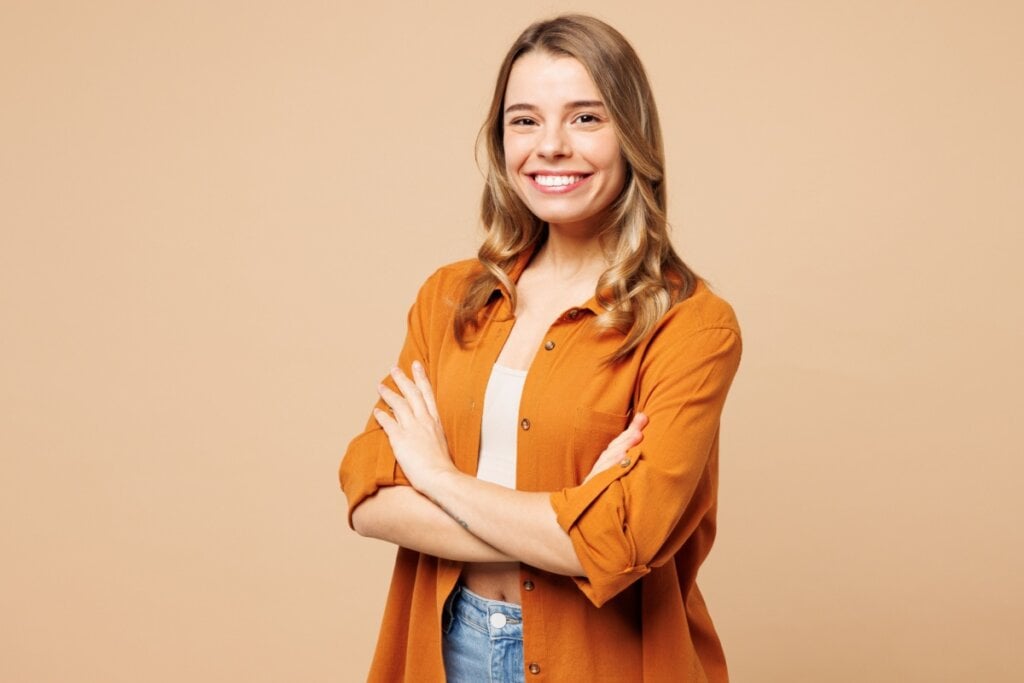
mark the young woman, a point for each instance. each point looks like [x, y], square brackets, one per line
[545, 451]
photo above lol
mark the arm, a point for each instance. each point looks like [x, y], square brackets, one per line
[401, 515]
[381, 504]
[629, 519]
[621, 521]
[520, 524]
[369, 464]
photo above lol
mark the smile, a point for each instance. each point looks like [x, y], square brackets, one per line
[558, 184]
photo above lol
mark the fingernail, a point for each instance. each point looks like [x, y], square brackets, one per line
[417, 366]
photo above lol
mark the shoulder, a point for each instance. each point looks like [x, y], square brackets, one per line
[446, 285]
[702, 310]
[698, 330]
[456, 272]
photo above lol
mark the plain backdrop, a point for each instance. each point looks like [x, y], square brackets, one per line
[216, 214]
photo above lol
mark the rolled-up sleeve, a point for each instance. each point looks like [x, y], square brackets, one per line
[369, 463]
[637, 514]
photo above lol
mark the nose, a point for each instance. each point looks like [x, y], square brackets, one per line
[554, 143]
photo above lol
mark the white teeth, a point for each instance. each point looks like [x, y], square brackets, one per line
[557, 180]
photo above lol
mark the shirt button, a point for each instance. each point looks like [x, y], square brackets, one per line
[534, 668]
[498, 620]
[549, 345]
[624, 462]
[528, 585]
[574, 313]
[525, 424]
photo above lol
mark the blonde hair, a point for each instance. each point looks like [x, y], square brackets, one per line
[646, 276]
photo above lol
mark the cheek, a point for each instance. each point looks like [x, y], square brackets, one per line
[605, 153]
[615, 171]
[514, 154]
[613, 158]
[514, 159]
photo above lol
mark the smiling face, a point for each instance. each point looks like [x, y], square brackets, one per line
[561, 151]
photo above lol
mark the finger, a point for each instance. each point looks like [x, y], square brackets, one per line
[617, 448]
[626, 437]
[633, 433]
[610, 457]
[410, 391]
[399, 406]
[426, 391]
[637, 426]
[386, 422]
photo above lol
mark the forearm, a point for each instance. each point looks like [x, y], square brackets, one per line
[401, 515]
[520, 524]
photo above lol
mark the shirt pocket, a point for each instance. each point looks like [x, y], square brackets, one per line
[592, 431]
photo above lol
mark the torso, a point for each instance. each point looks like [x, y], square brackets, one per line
[539, 303]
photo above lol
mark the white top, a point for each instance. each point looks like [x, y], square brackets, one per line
[499, 431]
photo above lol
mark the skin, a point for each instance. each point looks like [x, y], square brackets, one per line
[555, 122]
[555, 125]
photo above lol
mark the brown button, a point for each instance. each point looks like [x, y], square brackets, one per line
[525, 424]
[528, 585]
[549, 345]
[534, 668]
[624, 462]
[574, 313]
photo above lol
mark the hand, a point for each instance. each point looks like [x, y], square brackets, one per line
[414, 430]
[616, 450]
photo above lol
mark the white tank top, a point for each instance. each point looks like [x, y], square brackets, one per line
[499, 431]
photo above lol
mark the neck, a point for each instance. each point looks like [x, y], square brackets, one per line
[568, 254]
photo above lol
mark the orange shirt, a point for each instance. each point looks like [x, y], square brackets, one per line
[641, 528]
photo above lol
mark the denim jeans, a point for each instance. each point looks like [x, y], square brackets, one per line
[482, 640]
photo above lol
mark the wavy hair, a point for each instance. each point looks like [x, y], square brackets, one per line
[646, 276]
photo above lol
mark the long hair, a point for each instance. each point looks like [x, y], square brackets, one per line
[646, 276]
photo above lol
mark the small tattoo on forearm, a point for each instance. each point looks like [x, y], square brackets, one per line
[461, 522]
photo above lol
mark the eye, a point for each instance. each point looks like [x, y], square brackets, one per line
[522, 121]
[587, 118]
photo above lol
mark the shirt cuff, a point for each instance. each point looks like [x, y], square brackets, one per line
[369, 464]
[591, 514]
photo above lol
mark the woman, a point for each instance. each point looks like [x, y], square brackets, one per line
[545, 452]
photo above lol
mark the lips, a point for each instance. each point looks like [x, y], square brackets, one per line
[557, 183]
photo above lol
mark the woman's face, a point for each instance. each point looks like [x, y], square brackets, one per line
[561, 151]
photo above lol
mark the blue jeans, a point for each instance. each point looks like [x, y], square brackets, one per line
[482, 640]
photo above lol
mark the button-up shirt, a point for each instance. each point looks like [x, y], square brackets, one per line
[641, 528]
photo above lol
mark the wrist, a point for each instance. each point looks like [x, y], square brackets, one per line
[439, 483]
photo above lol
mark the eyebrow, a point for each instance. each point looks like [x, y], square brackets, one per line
[571, 105]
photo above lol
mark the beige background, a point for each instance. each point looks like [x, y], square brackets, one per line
[215, 215]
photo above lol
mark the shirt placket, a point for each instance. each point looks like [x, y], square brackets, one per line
[533, 407]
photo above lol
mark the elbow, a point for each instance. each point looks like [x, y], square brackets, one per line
[361, 519]
[569, 564]
[563, 559]
[563, 566]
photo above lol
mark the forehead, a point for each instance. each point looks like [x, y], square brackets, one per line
[541, 78]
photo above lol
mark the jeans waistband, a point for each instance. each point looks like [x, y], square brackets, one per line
[480, 612]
